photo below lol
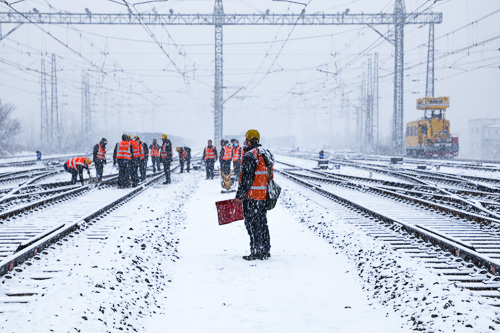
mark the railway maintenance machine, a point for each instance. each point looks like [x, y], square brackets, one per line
[430, 136]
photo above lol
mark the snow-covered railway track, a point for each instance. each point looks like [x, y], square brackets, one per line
[464, 251]
[22, 199]
[28, 235]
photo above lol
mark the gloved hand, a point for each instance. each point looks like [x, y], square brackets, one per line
[114, 163]
[105, 162]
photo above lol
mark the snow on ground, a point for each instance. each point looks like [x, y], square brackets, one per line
[167, 266]
[303, 287]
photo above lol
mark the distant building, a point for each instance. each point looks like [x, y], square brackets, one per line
[484, 139]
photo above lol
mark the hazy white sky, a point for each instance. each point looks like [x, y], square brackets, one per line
[281, 68]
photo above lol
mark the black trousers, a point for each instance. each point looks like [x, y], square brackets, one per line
[166, 167]
[209, 166]
[99, 167]
[142, 169]
[188, 164]
[225, 166]
[255, 214]
[156, 163]
[74, 174]
[237, 167]
[133, 166]
[123, 173]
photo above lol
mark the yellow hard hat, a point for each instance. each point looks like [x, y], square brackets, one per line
[128, 136]
[164, 136]
[136, 137]
[177, 149]
[253, 135]
[88, 161]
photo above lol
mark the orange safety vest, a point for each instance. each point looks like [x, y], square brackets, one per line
[184, 154]
[141, 151]
[75, 161]
[135, 149]
[237, 152]
[101, 154]
[228, 153]
[209, 153]
[155, 151]
[163, 152]
[123, 151]
[258, 190]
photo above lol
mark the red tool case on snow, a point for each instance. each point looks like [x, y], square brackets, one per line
[228, 211]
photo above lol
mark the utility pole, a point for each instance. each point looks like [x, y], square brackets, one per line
[376, 124]
[54, 107]
[218, 21]
[86, 116]
[369, 109]
[44, 111]
[429, 82]
[397, 128]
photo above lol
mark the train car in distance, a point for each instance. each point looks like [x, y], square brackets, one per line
[430, 136]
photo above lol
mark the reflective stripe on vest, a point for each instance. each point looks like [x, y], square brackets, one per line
[123, 151]
[237, 152]
[258, 190]
[141, 151]
[209, 153]
[75, 161]
[135, 148]
[163, 152]
[101, 154]
[155, 151]
[228, 153]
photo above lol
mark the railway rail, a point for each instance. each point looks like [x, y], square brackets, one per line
[28, 230]
[464, 246]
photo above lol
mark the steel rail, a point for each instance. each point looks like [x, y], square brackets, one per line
[454, 246]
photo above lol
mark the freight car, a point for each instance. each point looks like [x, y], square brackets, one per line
[430, 136]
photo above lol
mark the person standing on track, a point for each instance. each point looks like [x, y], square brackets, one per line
[209, 154]
[123, 155]
[226, 154]
[100, 158]
[252, 192]
[237, 155]
[154, 152]
[75, 167]
[166, 157]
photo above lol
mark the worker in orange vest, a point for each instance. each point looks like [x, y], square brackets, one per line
[257, 165]
[154, 152]
[75, 167]
[99, 157]
[209, 155]
[237, 155]
[166, 156]
[226, 154]
[142, 161]
[123, 155]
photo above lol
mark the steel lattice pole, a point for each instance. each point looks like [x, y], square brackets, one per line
[429, 84]
[218, 107]
[399, 17]
[44, 116]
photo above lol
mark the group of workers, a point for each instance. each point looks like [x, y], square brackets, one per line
[229, 153]
[252, 166]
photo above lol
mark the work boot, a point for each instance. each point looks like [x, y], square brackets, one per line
[253, 257]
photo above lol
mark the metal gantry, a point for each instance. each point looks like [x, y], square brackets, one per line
[218, 19]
